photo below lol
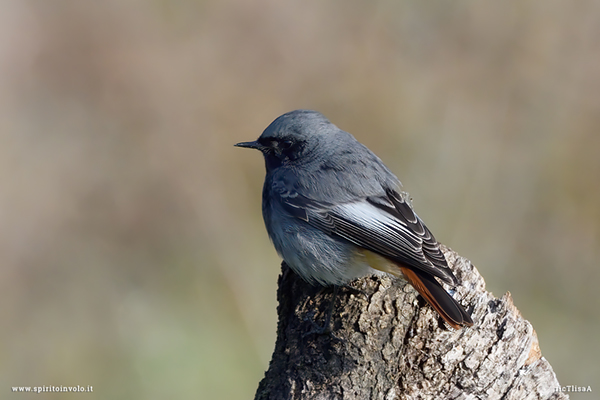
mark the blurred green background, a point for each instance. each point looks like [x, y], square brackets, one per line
[134, 256]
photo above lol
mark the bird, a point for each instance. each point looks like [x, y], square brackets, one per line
[334, 212]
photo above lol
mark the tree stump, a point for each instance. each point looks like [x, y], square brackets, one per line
[387, 343]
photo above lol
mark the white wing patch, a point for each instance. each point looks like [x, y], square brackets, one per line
[381, 225]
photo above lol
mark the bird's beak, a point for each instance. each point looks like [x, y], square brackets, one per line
[251, 145]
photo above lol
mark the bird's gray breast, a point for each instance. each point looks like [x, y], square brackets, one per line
[313, 254]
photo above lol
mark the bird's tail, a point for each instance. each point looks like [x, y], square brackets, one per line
[440, 300]
[427, 286]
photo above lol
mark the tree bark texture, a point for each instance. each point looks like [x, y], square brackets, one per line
[387, 343]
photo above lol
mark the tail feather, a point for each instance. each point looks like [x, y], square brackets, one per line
[440, 300]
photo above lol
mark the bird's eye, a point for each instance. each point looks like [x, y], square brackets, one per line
[285, 144]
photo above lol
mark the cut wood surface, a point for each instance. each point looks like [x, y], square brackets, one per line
[387, 343]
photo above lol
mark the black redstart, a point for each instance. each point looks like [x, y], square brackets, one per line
[335, 212]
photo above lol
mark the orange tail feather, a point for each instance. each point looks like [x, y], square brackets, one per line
[440, 300]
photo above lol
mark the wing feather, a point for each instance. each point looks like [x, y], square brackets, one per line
[383, 224]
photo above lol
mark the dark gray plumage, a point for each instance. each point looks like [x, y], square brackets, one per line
[334, 211]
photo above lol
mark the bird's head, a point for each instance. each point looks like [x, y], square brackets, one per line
[292, 138]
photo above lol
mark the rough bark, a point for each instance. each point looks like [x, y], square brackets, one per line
[386, 343]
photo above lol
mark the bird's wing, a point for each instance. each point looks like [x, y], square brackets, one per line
[384, 224]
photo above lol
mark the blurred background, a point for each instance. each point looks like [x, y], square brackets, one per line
[133, 253]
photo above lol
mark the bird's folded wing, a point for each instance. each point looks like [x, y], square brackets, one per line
[385, 224]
